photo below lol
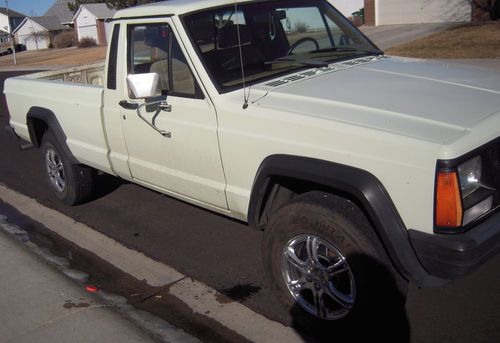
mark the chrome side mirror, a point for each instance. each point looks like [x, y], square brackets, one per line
[142, 86]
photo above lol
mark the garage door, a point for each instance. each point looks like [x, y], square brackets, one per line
[88, 31]
[390, 12]
[42, 43]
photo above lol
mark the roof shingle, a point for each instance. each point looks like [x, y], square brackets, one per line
[60, 10]
[100, 10]
[12, 13]
[50, 23]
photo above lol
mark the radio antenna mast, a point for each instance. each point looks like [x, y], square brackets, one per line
[245, 96]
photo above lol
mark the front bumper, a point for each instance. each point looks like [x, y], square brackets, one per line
[454, 255]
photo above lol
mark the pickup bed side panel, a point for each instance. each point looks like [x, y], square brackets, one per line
[77, 108]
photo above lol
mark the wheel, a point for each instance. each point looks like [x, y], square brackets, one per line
[9, 51]
[326, 263]
[71, 183]
[301, 41]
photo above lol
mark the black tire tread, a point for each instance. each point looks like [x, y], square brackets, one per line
[79, 178]
[352, 233]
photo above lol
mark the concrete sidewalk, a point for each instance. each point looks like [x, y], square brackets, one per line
[41, 305]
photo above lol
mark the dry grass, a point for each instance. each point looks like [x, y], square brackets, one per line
[467, 41]
[55, 57]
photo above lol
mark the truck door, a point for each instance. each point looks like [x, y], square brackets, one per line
[185, 159]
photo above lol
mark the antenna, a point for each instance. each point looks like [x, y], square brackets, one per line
[245, 96]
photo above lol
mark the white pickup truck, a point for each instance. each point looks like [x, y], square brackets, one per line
[365, 171]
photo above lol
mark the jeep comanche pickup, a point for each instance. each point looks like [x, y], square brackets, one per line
[365, 171]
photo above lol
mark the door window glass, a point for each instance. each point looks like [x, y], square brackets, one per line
[153, 48]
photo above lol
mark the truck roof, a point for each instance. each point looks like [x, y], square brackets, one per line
[172, 7]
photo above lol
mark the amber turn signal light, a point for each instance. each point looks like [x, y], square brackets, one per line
[448, 200]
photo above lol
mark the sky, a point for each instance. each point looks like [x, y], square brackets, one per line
[29, 7]
[39, 7]
[347, 7]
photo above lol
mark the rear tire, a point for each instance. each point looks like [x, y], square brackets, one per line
[71, 183]
[327, 265]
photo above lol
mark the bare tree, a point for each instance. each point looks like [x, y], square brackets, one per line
[37, 37]
[73, 6]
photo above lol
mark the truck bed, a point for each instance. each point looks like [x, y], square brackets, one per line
[91, 74]
[74, 97]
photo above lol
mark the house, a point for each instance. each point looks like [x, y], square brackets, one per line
[38, 32]
[392, 12]
[90, 22]
[61, 10]
[9, 19]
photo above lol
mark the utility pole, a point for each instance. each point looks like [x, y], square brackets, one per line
[10, 33]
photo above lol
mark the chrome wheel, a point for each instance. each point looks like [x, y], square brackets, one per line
[55, 170]
[318, 277]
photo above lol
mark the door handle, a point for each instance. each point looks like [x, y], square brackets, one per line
[164, 106]
[128, 105]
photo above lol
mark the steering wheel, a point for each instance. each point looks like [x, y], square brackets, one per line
[301, 41]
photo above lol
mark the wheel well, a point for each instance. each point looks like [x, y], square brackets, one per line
[281, 190]
[280, 178]
[37, 128]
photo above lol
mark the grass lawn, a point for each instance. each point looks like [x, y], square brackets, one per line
[466, 41]
[55, 57]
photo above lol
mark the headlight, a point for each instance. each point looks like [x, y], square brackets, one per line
[462, 192]
[469, 174]
[477, 198]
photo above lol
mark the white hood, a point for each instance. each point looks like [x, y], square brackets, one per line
[416, 98]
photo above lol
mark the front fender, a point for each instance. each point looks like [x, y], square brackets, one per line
[359, 184]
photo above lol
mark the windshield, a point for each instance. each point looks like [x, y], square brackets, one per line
[274, 37]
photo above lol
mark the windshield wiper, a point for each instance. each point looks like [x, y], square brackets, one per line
[304, 62]
[319, 63]
[343, 49]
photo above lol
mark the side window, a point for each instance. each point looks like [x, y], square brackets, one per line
[153, 48]
[113, 57]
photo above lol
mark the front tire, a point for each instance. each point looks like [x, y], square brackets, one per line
[326, 263]
[71, 183]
